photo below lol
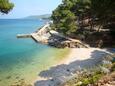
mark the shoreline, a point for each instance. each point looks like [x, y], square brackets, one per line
[45, 35]
[83, 54]
[66, 57]
[77, 55]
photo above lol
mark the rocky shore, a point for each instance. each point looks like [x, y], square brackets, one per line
[46, 35]
[53, 38]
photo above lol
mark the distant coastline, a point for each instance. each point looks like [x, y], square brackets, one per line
[39, 17]
[44, 17]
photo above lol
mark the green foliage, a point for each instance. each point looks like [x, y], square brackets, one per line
[113, 67]
[64, 19]
[103, 10]
[91, 79]
[86, 78]
[70, 15]
[5, 6]
[66, 15]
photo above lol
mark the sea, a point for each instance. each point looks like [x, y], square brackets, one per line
[23, 58]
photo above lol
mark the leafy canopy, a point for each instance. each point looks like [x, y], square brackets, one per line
[5, 6]
[70, 15]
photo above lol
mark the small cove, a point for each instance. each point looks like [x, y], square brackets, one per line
[24, 58]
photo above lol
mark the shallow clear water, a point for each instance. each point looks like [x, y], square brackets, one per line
[23, 58]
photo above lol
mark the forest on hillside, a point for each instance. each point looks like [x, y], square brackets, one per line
[86, 19]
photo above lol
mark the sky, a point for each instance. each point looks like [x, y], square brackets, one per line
[24, 8]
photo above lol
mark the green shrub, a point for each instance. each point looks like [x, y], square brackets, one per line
[113, 67]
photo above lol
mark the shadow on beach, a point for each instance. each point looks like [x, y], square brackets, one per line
[59, 74]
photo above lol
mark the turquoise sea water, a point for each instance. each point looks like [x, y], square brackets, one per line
[23, 58]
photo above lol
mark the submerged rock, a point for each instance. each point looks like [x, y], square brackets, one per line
[17, 77]
[8, 77]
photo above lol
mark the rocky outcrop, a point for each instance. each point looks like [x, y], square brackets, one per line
[53, 38]
[61, 41]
